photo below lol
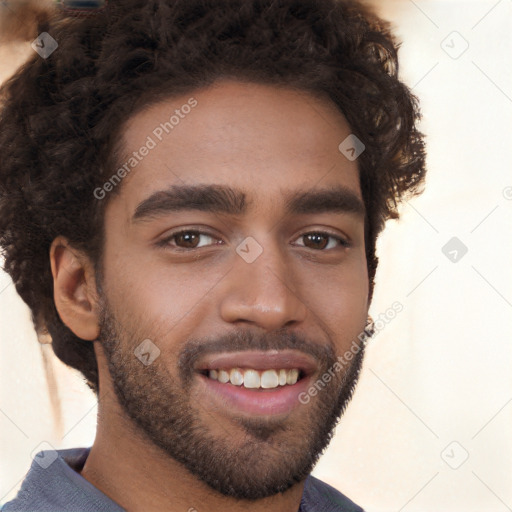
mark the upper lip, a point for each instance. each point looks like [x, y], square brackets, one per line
[258, 360]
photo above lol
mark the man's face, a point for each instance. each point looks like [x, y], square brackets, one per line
[251, 284]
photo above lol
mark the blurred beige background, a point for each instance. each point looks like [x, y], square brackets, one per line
[429, 426]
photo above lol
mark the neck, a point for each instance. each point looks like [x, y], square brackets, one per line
[137, 475]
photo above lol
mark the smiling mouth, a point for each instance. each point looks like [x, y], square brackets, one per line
[258, 370]
[250, 378]
[254, 383]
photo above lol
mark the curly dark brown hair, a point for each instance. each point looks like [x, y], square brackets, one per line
[62, 117]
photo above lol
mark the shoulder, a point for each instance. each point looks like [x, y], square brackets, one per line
[53, 485]
[321, 497]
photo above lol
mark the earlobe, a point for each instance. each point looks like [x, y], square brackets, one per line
[74, 289]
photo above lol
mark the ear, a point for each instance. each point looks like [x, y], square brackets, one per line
[74, 289]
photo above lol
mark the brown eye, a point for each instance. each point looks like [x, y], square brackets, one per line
[319, 241]
[186, 239]
[316, 241]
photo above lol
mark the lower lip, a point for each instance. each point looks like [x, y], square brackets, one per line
[270, 402]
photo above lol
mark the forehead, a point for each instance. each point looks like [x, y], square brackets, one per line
[258, 138]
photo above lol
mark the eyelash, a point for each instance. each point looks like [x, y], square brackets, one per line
[165, 242]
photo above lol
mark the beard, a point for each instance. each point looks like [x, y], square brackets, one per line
[270, 456]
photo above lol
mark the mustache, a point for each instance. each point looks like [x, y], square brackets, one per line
[244, 340]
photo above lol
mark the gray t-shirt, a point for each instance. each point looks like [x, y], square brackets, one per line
[53, 485]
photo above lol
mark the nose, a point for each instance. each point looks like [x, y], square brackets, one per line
[263, 293]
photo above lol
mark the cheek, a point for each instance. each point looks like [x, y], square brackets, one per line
[340, 298]
[343, 300]
[151, 295]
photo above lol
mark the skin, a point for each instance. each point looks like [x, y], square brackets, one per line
[265, 141]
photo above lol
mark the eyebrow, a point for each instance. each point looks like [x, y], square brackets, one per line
[228, 200]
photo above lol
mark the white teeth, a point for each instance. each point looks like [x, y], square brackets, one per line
[223, 376]
[251, 379]
[269, 379]
[236, 377]
[292, 377]
[254, 379]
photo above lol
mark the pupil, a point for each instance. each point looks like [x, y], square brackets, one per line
[187, 237]
[315, 238]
